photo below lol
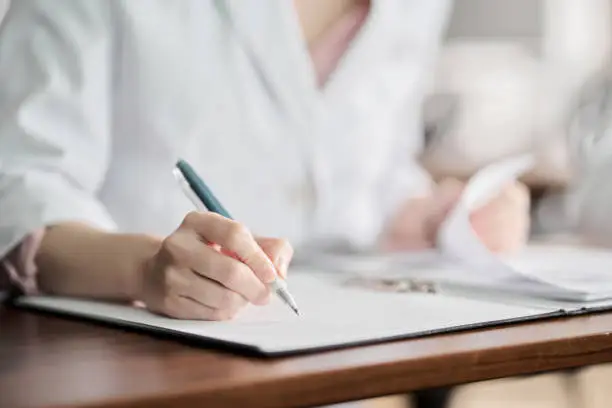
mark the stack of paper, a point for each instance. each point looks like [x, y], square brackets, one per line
[549, 272]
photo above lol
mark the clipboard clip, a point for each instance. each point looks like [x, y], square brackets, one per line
[404, 285]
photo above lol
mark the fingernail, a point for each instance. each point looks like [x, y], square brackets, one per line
[282, 263]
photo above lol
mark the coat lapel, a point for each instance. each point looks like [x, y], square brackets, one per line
[269, 34]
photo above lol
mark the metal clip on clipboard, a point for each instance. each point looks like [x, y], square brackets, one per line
[404, 285]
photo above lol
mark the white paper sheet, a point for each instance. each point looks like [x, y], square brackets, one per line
[333, 315]
[578, 269]
[554, 272]
[457, 238]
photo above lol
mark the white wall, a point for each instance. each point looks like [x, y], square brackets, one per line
[3, 7]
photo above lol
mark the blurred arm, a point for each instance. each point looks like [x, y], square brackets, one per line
[55, 120]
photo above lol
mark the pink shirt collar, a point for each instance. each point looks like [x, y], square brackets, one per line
[329, 49]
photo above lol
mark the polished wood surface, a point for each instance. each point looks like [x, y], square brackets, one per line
[47, 361]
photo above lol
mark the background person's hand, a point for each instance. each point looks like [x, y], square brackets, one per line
[502, 224]
[210, 268]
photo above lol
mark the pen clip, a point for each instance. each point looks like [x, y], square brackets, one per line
[188, 191]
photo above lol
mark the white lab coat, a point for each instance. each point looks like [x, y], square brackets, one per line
[99, 98]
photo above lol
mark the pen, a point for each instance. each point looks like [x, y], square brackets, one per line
[204, 200]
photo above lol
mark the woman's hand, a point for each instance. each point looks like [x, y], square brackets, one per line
[502, 224]
[210, 268]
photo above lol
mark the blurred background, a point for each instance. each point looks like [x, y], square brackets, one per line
[509, 78]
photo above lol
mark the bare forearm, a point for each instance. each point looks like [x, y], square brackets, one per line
[76, 260]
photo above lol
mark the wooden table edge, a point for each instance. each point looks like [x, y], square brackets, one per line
[355, 383]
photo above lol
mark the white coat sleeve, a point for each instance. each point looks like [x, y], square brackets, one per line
[55, 81]
[406, 178]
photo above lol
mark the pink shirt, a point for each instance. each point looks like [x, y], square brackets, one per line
[18, 267]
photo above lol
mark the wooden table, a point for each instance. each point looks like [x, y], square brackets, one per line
[50, 361]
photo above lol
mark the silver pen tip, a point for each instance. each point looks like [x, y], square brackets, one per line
[295, 310]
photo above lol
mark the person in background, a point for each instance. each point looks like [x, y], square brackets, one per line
[531, 76]
[578, 209]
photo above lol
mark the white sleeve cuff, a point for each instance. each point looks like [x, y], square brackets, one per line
[37, 199]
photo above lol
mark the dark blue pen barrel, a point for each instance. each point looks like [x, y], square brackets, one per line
[201, 189]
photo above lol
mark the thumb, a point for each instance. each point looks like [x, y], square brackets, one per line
[279, 251]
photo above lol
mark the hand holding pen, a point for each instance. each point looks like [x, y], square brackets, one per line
[212, 266]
